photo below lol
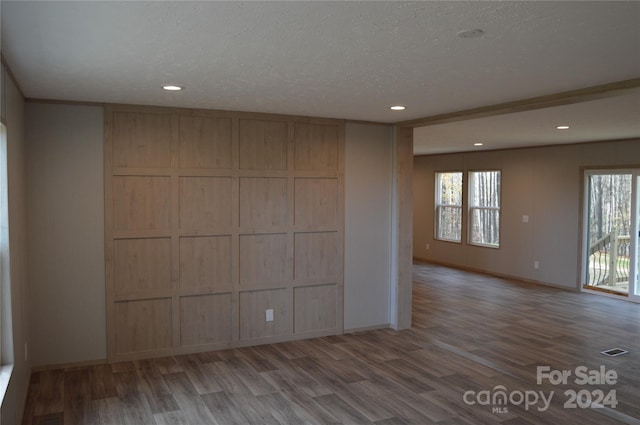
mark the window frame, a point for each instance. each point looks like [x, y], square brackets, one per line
[471, 207]
[438, 206]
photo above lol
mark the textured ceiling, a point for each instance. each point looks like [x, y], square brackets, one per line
[330, 59]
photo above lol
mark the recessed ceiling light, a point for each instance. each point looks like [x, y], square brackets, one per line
[478, 144]
[171, 87]
[562, 127]
[398, 108]
[474, 33]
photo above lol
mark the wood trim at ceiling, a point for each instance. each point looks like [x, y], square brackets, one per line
[11, 75]
[539, 102]
[65, 102]
[548, 145]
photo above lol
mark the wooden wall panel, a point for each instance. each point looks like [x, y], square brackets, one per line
[141, 140]
[213, 217]
[205, 262]
[143, 325]
[141, 203]
[253, 305]
[205, 319]
[315, 308]
[316, 202]
[205, 142]
[316, 147]
[263, 202]
[264, 260]
[316, 256]
[205, 204]
[142, 266]
[263, 145]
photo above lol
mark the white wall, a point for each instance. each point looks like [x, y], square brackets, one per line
[368, 198]
[543, 183]
[66, 232]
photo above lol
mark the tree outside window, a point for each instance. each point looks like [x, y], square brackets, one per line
[484, 208]
[449, 206]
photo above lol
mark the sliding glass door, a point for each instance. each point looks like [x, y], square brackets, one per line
[610, 251]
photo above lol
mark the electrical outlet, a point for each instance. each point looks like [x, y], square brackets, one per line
[428, 247]
[536, 264]
[269, 315]
[525, 218]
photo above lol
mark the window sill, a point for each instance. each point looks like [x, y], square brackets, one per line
[5, 377]
[483, 245]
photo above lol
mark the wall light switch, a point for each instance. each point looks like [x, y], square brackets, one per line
[525, 218]
[269, 315]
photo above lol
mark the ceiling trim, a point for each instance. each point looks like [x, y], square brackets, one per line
[543, 146]
[64, 102]
[10, 74]
[539, 102]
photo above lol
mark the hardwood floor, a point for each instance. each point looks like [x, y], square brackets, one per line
[471, 333]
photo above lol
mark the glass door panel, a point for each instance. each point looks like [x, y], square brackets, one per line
[634, 284]
[609, 232]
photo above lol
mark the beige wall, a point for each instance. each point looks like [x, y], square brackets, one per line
[543, 183]
[14, 119]
[368, 184]
[65, 156]
[66, 232]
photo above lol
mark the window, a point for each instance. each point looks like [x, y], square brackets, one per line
[484, 208]
[6, 356]
[449, 206]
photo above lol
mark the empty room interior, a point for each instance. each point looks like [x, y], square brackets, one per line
[311, 212]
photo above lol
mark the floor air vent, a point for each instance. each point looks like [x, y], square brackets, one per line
[614, 352]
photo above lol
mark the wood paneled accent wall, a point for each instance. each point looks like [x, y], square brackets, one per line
[214, 217]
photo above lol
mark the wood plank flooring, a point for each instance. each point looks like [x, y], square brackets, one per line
[470, 332]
